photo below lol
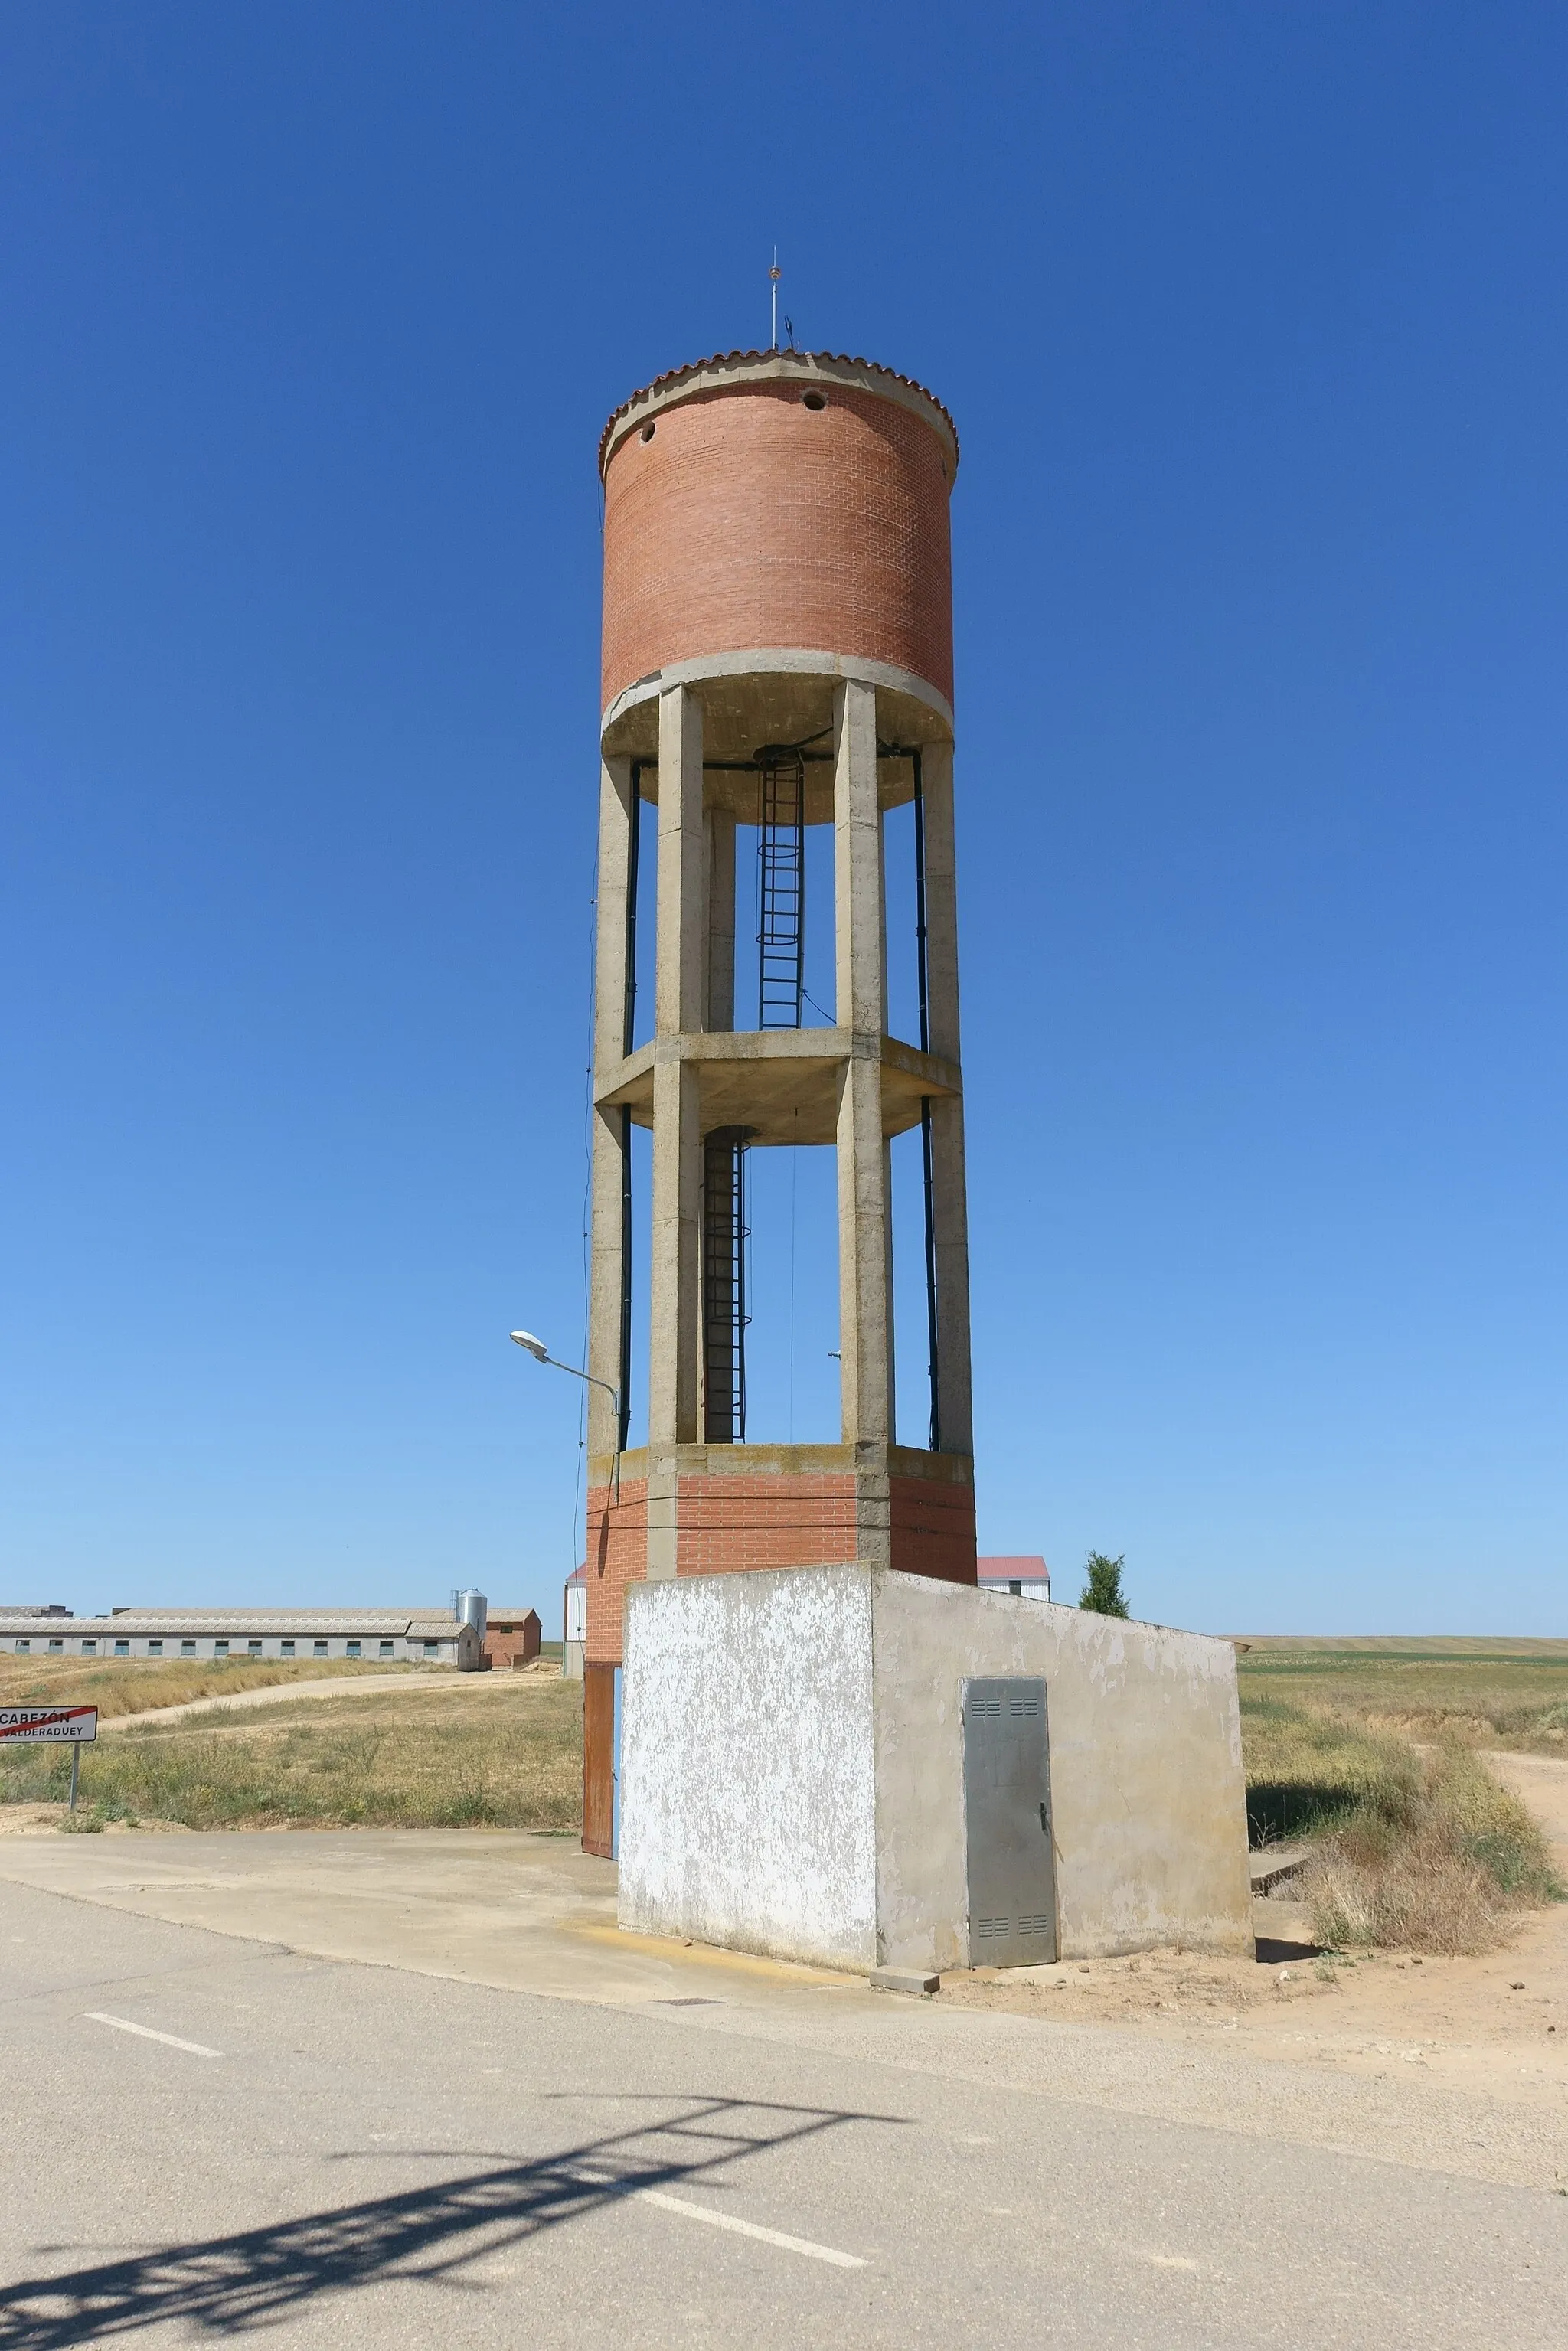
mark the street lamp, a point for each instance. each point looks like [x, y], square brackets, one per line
[541, 1354]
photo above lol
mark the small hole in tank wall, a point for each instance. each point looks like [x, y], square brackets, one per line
[814, 400]
[646, 433]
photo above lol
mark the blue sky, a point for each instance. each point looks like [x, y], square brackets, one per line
[1252, 320]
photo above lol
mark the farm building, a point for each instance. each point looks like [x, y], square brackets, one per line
[512, 1637]
[574, 1625]
[426, 1637]
[1025, 1579]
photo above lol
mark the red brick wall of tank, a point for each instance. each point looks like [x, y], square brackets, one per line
[751, 521]
[731, 1523]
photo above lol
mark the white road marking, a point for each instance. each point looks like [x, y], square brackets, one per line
[750, 2229]
[170, 2040]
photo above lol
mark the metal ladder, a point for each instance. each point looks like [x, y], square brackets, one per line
[782, 888]
[725, 1236]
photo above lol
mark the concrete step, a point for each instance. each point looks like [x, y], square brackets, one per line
[1274, 1863]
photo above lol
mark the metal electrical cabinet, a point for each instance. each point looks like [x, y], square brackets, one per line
[1006, 1821]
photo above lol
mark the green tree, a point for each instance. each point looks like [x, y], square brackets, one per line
[1103, 1592]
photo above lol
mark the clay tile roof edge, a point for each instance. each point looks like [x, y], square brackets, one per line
[738, 359]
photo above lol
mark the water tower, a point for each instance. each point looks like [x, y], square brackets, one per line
[777, 654]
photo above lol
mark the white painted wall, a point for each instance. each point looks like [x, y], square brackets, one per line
[746, 1784]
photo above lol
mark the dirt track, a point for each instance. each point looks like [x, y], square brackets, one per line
[1497, 2024]
[285, 1694]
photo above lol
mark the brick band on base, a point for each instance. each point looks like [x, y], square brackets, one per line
[817, 1517]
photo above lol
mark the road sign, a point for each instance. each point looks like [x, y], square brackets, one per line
[77, 1723]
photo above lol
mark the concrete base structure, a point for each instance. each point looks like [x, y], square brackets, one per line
[706, 1509]
[792, 1769]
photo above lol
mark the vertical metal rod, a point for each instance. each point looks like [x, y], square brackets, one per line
[76, 1766]
[936, 1439]
[742, 1234]
[634, 830]
[932, 1335]
[624, 1419]
[628, 1039]
[920, 904]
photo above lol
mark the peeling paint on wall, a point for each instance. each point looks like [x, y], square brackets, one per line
[792, 1768]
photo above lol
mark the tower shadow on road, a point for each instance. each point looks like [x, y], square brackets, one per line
[232, 2284]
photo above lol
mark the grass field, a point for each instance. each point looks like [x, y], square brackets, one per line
[437, 1751]
[1374, 1750]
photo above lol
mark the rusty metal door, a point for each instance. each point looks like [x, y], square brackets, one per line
[598, 1760]
[1007, 1820]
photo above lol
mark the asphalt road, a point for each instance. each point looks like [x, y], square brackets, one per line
[205, 2136]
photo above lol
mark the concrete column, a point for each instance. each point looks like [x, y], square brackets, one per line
[610, 893]
[857, 862]
[605, 1276]
[954, 1407]
[887, 1292]
[674, 1302]
[865, 1297]
[941, 900]
[663, 1519]
[721, 919]
[954, 1411]
[605, 1264]
[680, 984]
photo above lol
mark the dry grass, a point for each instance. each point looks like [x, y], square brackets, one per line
[124, 1685]
[1373, 1750]
[455, 1753]
[1441, 1871]
[1511, 1694]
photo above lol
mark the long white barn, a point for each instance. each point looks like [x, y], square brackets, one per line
[430, 1637]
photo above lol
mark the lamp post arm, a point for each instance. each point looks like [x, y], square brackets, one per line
[591, 1378]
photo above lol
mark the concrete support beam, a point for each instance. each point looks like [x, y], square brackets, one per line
[680, 984]
[606, 1273]
[941, 900]
[664, 1518]
[955, 1403]
[607, 1269]
[955, 1408]
[865, 1298]
[681, 1005]
[610, 896]
[887, 1291]
[859, 946]
[866, 1290]
[674, 1302]
[721, 919]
